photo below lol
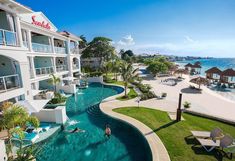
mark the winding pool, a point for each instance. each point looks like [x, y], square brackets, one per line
[125, 144]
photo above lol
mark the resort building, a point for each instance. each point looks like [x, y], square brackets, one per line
[193, 69]
[94, 62]
[228, 76]
[31, 48]
[213, 74]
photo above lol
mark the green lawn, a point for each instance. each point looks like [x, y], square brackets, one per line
[130, 95]
[176, 137]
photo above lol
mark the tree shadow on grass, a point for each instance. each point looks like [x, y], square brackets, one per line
[162, 127]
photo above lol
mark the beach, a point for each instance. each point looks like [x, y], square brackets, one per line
[205, 102]
[222, 64]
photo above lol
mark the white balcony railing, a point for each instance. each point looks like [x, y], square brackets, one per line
[9, 82]
[44, 70]
[25, 43]
[8, 38]
[61, 68]
[41, 48]
[74, 51]
[60, 50]
[75, 66]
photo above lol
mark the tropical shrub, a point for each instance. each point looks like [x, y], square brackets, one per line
[94, 74]
[187, 104]
[164, 94]
[58, 99]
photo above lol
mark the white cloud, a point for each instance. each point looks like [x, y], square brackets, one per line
[214, 48]
[188, 39]
[126, 41]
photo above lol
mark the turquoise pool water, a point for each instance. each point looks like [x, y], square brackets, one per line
[125, 144]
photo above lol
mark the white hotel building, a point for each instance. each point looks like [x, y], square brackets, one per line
[31, 48]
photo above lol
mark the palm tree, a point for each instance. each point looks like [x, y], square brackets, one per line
[16, 116]
[83, 42]
[116, 67]
[54, 81]
[128, 74]
[106, 67]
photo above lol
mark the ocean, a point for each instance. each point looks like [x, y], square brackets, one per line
[221, 63]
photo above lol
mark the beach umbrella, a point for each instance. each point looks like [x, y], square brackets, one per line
[181, 71]
[199, 81]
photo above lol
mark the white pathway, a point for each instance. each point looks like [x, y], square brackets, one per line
[207, 102]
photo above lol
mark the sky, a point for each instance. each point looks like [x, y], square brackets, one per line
[175, 27]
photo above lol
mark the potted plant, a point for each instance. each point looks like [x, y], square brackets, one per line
[164, 94]
[187, 104]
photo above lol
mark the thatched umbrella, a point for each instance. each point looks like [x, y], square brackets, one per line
[199, 81]
[181, 71]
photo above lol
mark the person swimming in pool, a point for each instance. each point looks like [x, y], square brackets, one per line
[107, 131]
[76, 130]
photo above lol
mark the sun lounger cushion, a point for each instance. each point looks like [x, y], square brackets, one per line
[201, 134]
[226, 141]
[209, 142]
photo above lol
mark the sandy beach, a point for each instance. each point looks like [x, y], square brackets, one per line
[205, 102]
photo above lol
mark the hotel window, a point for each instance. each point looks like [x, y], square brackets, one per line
[7, 29]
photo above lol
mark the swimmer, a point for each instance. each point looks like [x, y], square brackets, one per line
[107, 131]
[76, 130]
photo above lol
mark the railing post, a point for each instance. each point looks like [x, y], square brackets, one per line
[32, 66]
[4, 84]
[4, 37]
[29, 40]
[18, 31]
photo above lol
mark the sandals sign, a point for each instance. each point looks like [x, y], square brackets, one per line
[43, 24]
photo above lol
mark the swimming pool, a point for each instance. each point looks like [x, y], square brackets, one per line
[125, 144]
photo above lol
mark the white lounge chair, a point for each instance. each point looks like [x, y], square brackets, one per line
[209, 144]
[215, 133]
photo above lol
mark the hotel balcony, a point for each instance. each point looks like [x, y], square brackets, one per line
[60, 50]
[61, 68]
[9, 82]
[8, 38]
[75, 66]
[44, 70]
[43, 48]
[74, 51]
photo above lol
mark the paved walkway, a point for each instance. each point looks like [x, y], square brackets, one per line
[159, 152]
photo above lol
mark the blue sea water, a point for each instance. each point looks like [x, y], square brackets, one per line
[221, 63]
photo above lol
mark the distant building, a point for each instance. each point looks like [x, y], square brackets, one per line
[228, 76]
[213, 73]
[95, 62]
[193, 68]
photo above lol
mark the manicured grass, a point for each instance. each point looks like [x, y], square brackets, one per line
[131, 94]
[176, 137]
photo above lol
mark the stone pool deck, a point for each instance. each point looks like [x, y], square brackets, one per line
[159, 152]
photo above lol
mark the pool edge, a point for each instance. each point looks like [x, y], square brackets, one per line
[158, 150]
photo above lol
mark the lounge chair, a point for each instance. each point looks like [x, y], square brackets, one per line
[210, 144]
[215, 133]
